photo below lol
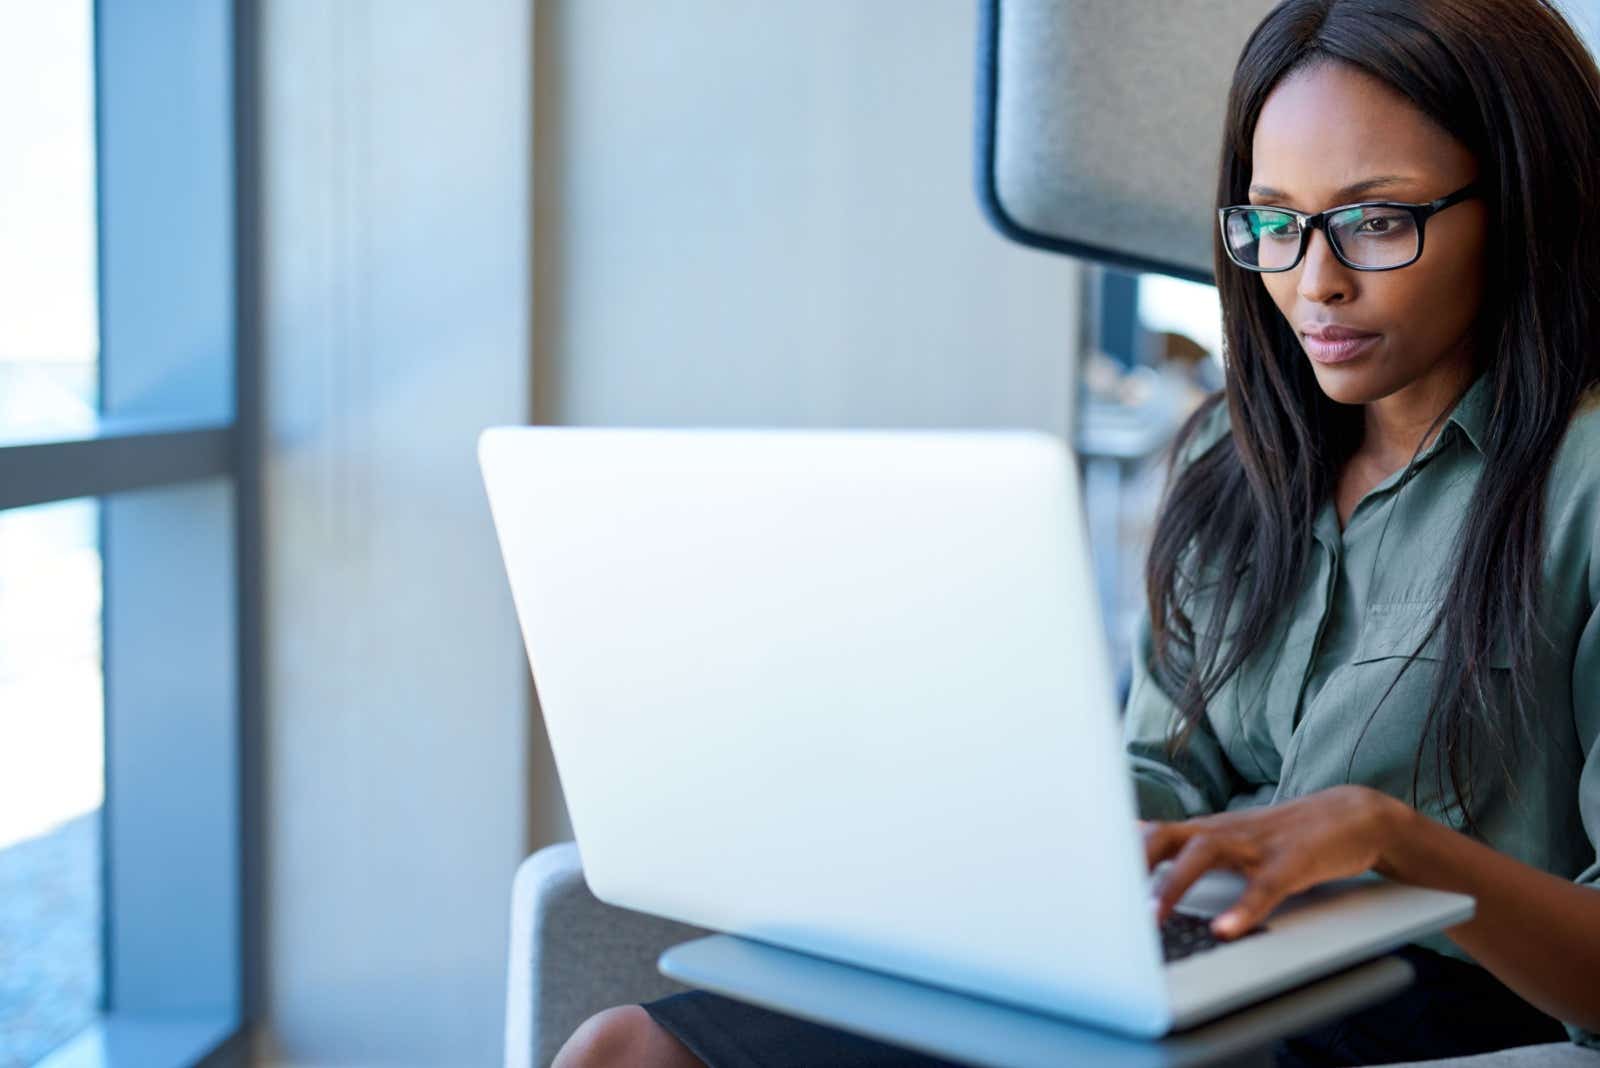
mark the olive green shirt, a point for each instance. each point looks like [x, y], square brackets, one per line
[1298, 716]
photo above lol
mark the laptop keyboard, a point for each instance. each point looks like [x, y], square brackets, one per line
[1183, 935]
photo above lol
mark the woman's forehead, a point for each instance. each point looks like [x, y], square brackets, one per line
[1325, 131]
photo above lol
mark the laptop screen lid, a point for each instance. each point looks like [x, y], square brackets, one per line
[842, 691]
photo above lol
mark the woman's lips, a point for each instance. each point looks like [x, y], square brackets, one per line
[1326, 350]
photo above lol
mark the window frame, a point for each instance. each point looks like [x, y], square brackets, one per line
[174, 459]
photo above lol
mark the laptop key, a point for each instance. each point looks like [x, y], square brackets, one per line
[1184, 935]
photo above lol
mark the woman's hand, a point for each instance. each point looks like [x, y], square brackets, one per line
[1280, 849]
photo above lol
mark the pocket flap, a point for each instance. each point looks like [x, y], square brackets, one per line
[1396, 629]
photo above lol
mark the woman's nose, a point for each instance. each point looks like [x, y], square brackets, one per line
[1323, 278]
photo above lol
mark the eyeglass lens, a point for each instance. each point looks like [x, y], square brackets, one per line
[1371, 236]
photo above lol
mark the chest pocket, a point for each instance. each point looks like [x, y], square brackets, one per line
[1386, 758]
[1395, 630]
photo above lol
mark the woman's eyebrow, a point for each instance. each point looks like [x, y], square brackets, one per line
[1366, 185]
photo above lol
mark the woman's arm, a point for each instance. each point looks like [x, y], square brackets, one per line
[1539, 934]
[1198, 780]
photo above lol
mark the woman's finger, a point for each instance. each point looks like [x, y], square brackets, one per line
[1163, 840]
[1200, 854]
[1264, 892]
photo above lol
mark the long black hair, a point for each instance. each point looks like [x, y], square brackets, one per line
[1513, 82]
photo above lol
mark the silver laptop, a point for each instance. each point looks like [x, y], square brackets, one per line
[847, 692]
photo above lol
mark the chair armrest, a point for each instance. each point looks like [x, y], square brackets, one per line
[573, 955]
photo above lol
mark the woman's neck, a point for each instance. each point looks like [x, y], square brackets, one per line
[1399, 426]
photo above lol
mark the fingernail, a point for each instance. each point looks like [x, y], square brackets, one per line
[1227, 923]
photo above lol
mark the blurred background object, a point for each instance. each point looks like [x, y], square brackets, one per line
[1155, 356]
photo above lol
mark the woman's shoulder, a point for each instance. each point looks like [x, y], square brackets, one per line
[1577, 460]
[1573, 487]
[1583, 432]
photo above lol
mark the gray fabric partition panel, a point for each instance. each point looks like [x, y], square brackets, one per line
[1100, 124]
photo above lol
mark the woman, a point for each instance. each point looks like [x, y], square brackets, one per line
[1372, 638]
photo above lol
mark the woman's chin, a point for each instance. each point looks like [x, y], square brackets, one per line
[1350, 383]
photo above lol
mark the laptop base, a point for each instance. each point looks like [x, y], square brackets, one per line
[975, 1031]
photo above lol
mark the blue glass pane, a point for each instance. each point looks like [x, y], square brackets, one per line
[52, 757]
[49, 332]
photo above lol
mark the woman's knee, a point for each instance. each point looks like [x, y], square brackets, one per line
[623, 1035]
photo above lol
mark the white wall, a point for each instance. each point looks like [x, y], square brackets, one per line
[396, 142]
[765, 214]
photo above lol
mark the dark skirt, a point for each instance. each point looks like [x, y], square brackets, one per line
[1454, 1009]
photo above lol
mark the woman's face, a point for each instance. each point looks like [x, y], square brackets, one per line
[1322, 130]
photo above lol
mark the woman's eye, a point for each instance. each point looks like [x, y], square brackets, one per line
[1383, 226]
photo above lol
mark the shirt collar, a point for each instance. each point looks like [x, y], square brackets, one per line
[1471, 417]
[1471, 413]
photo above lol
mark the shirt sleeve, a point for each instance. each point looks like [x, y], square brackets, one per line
[1196, 782]
[1586, 720]
[1199, 780]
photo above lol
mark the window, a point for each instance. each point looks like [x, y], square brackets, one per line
[127, 531]
[51, 776]
[51, 711]
[49, 339]
[1155, 347]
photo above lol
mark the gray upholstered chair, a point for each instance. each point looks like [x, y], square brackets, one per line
[572, 955]
[1097, 136]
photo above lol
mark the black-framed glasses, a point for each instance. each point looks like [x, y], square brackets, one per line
[1373, 235]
